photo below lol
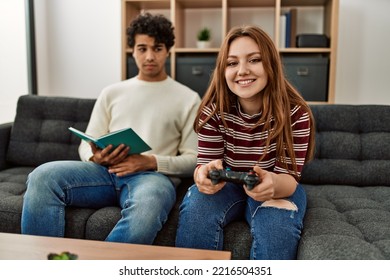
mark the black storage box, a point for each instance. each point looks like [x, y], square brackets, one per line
[195, 71]
[132, 69]
[312, 41]
[309, 74]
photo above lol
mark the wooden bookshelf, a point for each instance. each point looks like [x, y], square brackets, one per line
[188, 16]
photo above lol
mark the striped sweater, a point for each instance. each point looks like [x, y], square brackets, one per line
[240, 148]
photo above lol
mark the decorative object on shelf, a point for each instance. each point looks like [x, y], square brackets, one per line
[204, 36]
[312, 41]
[62, 256]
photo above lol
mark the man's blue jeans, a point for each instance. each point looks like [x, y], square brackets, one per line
[145, 198]
[275, 231]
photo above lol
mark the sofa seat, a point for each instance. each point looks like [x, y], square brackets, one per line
[347, 182]
[12, 188]
[346, 222]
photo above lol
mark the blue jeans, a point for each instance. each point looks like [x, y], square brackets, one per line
[275, 231]
[145, 198]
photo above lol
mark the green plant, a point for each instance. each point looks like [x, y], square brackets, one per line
[62, 256]
[204, 34]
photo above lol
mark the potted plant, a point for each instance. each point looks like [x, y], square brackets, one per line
[203, 36]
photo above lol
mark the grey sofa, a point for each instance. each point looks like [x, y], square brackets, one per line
[348, 185]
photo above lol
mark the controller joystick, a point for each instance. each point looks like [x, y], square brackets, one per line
[215, 176]
[250, 178]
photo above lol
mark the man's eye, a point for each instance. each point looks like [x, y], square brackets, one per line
[158, 48]
[141, 49]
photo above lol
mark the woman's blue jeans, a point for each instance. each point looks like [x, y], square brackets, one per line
[145, 198]
[275, 231]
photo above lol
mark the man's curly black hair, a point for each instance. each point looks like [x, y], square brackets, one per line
[156, 26]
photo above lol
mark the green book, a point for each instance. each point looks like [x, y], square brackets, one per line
[125, 136]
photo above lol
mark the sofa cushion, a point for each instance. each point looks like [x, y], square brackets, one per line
[12, 188]
[346, 222]
[352, 146]
[5, 132]
[40, 130]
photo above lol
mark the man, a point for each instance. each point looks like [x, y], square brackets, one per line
[162, 112]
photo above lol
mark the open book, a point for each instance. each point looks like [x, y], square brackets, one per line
[125, 136]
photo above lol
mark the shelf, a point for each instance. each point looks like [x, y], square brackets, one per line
[195, 50]
[303, 2]
[305, 50]
[250, 3]
[197, 4]
[149, 4]
[189, 16]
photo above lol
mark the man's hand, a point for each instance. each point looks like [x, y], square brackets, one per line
[133, 163]
[107, 157]
[120, 163]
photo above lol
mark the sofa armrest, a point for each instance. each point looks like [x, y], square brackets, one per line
[5, 132]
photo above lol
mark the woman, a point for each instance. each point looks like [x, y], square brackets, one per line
[251, 118]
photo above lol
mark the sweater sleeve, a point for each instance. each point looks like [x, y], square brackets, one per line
[183, 164]
[97, 126]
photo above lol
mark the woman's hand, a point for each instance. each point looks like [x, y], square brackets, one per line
[265, 190]
[272, 185]
[203, 182]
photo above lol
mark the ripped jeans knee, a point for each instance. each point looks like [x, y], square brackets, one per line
[280, 203]
[276, 226]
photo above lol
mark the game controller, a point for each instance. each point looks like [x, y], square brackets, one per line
[250, 178]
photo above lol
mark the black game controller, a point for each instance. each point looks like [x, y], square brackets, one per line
[250, 178]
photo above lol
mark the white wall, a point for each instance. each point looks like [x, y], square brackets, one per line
[78, 45]
[13, 57]
[79, 48]
[363, 58]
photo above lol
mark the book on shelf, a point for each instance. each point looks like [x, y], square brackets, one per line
[291, 28]
[282, 32]
[126, 136]
[288, 29]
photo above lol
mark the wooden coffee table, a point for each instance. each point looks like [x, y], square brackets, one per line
[28, 247]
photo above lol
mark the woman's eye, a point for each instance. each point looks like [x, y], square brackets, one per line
[255, 60]
[231, 63]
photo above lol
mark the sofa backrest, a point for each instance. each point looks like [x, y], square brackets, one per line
[40, 130]
[352, 141]
[352, 146]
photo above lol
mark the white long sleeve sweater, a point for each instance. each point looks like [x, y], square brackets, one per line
[162, 113]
